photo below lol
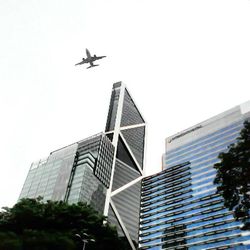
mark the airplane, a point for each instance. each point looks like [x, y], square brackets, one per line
[90, 59]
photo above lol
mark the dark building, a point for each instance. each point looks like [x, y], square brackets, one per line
[180, 208]
[104, 170]
[126, 128]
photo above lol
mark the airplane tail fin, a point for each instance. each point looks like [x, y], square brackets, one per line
[91, 66]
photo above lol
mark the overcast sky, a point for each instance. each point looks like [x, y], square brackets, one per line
[183, 61]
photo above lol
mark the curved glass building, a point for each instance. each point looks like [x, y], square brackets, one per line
[180, 208]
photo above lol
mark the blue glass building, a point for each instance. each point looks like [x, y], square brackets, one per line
[180, 208]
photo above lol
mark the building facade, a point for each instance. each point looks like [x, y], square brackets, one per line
[126, 129]
[180, 208]
[74, 173]
[104, 170]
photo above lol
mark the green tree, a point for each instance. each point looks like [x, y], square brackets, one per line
[34, 225]
[233, 176]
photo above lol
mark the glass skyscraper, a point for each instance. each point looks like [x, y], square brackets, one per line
[126, 128]
[74, 173]
[180, 208]
[104, 170]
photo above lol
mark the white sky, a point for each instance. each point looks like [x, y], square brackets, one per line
[183, 61]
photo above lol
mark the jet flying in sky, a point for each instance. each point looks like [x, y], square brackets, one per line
[90, 59]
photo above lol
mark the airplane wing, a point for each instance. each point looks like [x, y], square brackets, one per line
[99, 57]
[82, 62]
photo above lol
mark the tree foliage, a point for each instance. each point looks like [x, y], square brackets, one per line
[34, 225]
[233, 176]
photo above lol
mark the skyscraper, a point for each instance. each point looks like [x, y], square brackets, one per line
[180, 208]
[126, 128]
[104, 170]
